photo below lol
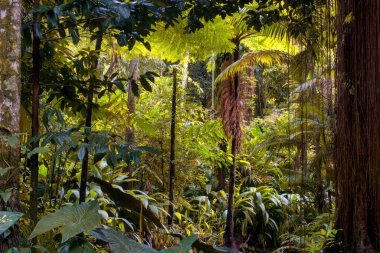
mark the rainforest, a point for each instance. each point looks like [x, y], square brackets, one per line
[189, 126]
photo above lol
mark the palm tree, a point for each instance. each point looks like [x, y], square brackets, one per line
[231, 102]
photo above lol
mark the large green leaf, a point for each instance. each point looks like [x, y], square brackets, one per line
[8, 219]
[133, 206]
[70, 220]
[204, 247]
[183, 247]
[120, 243]
[38, 150]
[76, 244]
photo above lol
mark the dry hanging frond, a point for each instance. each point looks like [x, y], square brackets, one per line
[309, 85]
[231, 105]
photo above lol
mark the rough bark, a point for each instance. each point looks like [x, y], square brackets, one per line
[10, 87]
[357, 136]
[172, 150]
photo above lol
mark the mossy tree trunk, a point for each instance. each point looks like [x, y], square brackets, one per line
[10, 87]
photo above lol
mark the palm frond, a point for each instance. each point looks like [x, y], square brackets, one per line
[268, 57]
[276, 30]
[309, 85]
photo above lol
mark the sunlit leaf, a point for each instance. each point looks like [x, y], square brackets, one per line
[70, 220]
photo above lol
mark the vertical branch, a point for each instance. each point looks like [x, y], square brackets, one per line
[161, 142]
[260, 102]
[172, 150]
[221, 171]
[35, 118]
[84, 172]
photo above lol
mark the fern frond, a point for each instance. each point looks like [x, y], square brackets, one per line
[268, 57]
[277, 31]
[309, 85]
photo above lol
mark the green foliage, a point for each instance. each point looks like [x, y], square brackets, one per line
[128, 182]
[136, 209]
[70, 220]
[316, 236]
[268, 57]
[76, 244]
[7, 220]
[120, 243]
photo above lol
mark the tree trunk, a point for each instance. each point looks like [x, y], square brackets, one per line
[10, 87]
[213, 88]
[260, 103]
[223, 168]
[172, 150]
[35, 120]
[84, 172]
[236, 138]
[162, 165]
[357, 136]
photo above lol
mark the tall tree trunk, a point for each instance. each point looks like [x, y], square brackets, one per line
[357, 136]
[172, 150]
[235, 121]
[162, 165]
[84, 172]
[213, 86]
[10, 89]
[260, 102]
[35, 120]
[223, 168]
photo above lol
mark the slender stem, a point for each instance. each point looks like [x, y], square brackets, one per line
[213, 89]
[172, 150]
[84, 173]
[35, 119]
